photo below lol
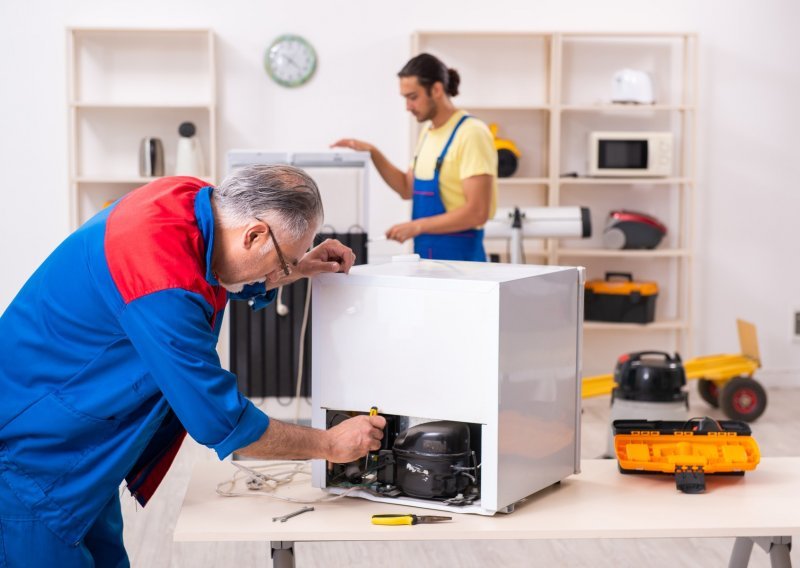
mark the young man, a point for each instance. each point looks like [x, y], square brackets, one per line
[453, 177]
[108, 356]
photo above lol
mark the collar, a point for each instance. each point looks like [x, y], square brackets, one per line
[450, 123]
[205, 221]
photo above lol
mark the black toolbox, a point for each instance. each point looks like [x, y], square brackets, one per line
[618, 298]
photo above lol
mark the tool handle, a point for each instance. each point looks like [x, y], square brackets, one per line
[373, 411]
[393, 520]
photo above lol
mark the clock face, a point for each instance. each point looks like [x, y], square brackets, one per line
[290, 61]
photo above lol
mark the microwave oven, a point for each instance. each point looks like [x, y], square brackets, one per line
[630, 154]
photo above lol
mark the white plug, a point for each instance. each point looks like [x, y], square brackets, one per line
[281, 308]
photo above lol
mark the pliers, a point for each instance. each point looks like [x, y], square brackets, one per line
[407, 519]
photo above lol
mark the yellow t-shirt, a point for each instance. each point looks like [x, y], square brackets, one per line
[472, 153]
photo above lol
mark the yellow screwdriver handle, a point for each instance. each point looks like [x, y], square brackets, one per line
[392, 520]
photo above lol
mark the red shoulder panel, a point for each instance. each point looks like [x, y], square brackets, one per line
[153, 242]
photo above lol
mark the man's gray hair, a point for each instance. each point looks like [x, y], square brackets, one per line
[284, 194]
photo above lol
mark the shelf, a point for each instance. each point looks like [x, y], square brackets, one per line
[128, 84]
[607, 253]
[547, 95]
[509, 108]
[610, 107]
[504, 71]
[119, 66]
[610, 36]
[655, 326]
[140, 106]
[113, 180]
[623, 181]
[522, 181]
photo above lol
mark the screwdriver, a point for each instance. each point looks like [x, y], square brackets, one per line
[408, 519]
[373, 411]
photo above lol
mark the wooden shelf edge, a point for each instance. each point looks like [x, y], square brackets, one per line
[610, 107]
[654, 326]
[112, 180]
[140, 106]
[608, 253]
[623, 181]
[522, 181]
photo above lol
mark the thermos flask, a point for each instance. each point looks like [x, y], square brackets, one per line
[151, 157]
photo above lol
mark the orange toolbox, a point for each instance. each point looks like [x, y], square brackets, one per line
[619, 298]
[689, 449]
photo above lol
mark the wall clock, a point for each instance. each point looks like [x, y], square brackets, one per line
[290, 60]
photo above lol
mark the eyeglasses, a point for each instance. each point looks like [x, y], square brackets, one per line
[284, 266]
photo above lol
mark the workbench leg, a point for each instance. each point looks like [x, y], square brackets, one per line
[779, 551]
[740, 557]
[778, 548]
[282, 554]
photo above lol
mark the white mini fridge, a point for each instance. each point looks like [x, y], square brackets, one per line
[476, 367]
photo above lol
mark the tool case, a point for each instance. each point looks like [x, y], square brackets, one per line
[619, 298]
[688, 449]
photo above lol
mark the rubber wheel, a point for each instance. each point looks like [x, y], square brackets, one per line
[709, 391]
[743, 398]
[506, 163]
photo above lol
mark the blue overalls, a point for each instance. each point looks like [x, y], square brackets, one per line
[464, 245]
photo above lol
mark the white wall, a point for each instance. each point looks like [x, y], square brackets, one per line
[749, 159]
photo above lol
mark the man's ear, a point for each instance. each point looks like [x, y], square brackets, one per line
[437, 90]
[255, 235]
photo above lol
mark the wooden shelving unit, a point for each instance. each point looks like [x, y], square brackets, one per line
[127, 84]
[547, 91]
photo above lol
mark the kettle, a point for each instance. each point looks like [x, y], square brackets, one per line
[632, 86]
[151, 157]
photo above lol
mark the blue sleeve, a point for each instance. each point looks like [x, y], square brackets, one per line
[171, 332]
[256, 294]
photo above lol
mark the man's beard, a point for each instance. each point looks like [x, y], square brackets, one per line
[428, 115]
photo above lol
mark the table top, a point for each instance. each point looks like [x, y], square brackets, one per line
[599, 502]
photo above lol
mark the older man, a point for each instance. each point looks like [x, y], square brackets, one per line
[107, 356]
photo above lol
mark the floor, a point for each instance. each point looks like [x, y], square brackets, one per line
[148, 532]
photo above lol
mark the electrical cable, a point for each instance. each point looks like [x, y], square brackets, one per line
[263, 484]
[301, 355]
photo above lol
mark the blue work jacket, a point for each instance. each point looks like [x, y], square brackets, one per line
[108, 356]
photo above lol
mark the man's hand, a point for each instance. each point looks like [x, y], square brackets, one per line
[405, 231]
[353, 438]
[329, 256]
[353, 144]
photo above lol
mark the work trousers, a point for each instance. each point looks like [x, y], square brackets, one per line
[26, 542]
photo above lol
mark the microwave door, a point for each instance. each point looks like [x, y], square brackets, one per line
[623, 155]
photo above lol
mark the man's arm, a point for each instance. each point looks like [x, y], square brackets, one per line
[401, 182]
[343, 443]
[474, 213]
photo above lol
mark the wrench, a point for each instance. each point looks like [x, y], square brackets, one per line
[284, 518]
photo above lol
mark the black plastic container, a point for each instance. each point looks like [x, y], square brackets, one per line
[427, 456]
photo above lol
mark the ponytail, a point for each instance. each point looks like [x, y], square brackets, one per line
[428, 70]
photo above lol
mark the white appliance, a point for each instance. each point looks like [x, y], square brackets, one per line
[496, 347]
[632, 86]
[630, 154]
[340, 176]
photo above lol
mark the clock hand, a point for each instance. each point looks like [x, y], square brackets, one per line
[290, 60]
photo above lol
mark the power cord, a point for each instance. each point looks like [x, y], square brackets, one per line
[301, 355]
[261, 483]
